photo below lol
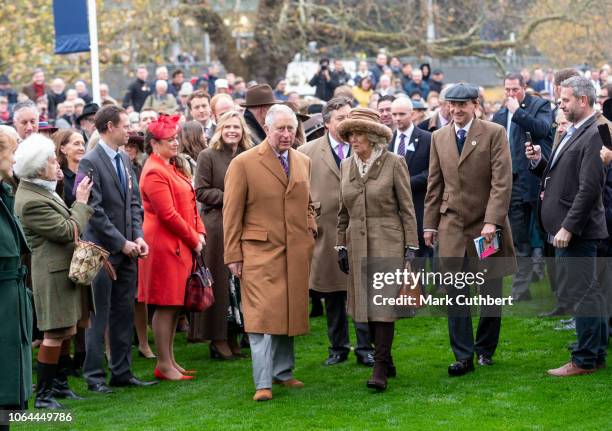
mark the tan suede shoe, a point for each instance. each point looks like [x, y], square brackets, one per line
[570, 369]
[291, 383]
[262, 395]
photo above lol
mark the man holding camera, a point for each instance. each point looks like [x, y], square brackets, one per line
[523, 114]
[323, 81]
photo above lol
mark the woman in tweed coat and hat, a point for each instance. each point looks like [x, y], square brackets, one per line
[376, 221]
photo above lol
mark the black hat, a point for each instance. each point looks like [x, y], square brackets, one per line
[4, 80]
[88, 110]
[462, 93]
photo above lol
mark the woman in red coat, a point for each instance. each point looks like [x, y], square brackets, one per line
[174, 233]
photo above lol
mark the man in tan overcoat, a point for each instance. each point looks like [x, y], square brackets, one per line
[468, 195]
[269, 234]
[326, 153]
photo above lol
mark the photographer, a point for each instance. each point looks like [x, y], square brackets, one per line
[323, 82]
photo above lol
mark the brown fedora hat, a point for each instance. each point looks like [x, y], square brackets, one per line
[363, 120]
[259, 95]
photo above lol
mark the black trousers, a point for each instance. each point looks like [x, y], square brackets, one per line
[489, 325]
[520, 215]
[337, 327]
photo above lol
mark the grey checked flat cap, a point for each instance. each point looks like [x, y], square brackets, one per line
[462, 92]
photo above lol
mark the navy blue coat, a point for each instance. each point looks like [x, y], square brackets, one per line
[532, 116]
[418, 167]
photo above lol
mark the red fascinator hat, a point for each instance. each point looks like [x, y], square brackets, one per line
[165, 127]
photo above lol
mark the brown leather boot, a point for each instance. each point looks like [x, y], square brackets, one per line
[378, 380]
[383, 340]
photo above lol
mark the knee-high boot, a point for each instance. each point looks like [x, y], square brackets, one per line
[60, 383]
[383, 341]
[44, 387]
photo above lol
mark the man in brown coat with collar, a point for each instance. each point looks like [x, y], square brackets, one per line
[468, 195]
[326, 153]
[269, 233]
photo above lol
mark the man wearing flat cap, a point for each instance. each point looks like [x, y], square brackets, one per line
[468, 195]
[259, 99]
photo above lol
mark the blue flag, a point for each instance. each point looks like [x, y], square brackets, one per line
[71, 26]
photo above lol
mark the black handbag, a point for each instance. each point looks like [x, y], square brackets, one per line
[234, 310]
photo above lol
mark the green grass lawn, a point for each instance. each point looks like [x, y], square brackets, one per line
[515, 393]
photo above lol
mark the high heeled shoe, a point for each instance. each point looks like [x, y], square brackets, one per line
[216, 354]
[159, 375]
[147, 355]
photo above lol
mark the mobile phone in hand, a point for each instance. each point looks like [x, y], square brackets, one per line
[529, 139]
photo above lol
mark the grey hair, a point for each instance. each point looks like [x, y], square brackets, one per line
[22, 106]
[278, 109]
[445, 91]
[32, 155]
[161, 83]
[581, 86]
[334, 104]
[9, 130]
[377, 141]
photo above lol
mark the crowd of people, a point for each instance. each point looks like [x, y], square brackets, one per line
[281, 196]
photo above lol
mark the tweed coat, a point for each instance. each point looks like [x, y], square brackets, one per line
[15, 307]
[267, 224]
[47, 223]
[376, 220]
[325, 275]
[465, 192]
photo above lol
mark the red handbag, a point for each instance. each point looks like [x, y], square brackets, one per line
[199, 294]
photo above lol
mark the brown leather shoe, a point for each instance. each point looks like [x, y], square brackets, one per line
[291, 383]
[570, 369]
[262, 395]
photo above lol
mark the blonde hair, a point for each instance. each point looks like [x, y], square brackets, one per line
[8, 144]
[216, 142]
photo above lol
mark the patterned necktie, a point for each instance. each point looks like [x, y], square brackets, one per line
[119, 171]
[401, 148]
[340, 151]
[284, 164]
[460, 139]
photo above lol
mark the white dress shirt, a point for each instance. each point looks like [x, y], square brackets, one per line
[408, 134]
[335, 144]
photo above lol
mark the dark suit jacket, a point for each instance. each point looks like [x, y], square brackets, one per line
[117, 214]
[573, 185]
[431, 124]
[418, 167]
[532, 116]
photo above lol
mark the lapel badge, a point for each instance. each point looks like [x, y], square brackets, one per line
[473, 142]
[522, 105]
